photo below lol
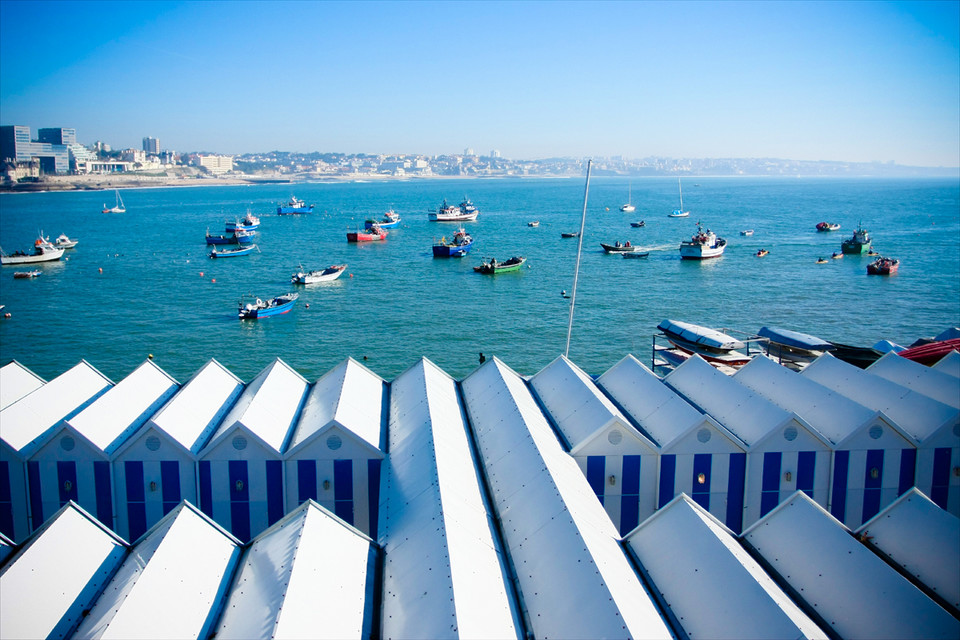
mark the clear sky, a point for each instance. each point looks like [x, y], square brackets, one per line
[851, 81]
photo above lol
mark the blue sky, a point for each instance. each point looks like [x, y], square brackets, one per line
[853, 81]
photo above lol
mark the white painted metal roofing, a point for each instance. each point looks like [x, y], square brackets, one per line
[349, 395]
[195, 411]
[657, 408]
[16, 381]
[577, 406]
[921, 378]
[832, 414]
[711, 584]
[949, 364]
[58, 573]
[26, 421]
[917, 414]
[112, 417]
[748, 415]
[574, 578]
[6, 547]
[310, 575]
[923, 539]
[854, 591]
[171, 584]
[269, 406]
[443, 574]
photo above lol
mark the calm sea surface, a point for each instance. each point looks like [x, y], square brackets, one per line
[159, 293]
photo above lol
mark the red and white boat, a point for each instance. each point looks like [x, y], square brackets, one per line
[883, 266]
[373, 234]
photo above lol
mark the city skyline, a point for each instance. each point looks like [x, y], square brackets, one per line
[856, 82]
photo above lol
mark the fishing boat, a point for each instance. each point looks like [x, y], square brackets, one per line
[747, 232]
[237, 237]
[618, 247]
[264, 308]
[679, 213]
[466, 212]
[883, 266]
[702, 245]
[390, 220]
[636, 254]
[63, 242]
[628, 207]
[710, 344]
[639, 224]
[294, 206]
[762, 252]
[793, 349]
[27, 274]
[457, 248]
[249, 222]
[493, 267]
[43, 251]
[119, 207]
[322, 275]
[373, 234]
[827, 226]
[233, 253]
[858, 244]
[570, 234]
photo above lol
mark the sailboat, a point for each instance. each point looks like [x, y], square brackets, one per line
[629, 208]
[118, 208]
[679, 213]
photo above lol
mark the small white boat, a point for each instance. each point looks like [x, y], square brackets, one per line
[533, 223]
[323, 275]
[702, 245]
[628, 207]
[747, 232]
[63, 242]
[119, 207]
[43, 251]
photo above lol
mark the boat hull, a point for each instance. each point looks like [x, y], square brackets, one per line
[231, 239]
[50, 255]
[451, 251]
[314, 277]
[360, 236]
[699, 337]
[637, 254]
[693, 251]
[513, 264]
[291, 211]
[458, 217]
[612, 248]
[228, 253]
[383, 224]
[278, 306]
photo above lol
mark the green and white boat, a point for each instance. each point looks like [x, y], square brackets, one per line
[513, 264]
[858, 244]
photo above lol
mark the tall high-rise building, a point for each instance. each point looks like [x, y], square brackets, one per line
[57, 135]
[151, 145]
[16, 145]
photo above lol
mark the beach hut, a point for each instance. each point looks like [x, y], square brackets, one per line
[874, 460]
[949, 364]
[921, 539]
[335, 453]
[921, 378]
[619, 462]
[24, 427]
[310, 575]
[240, 470]
[574, 578]
[784, 453]
[444, 572]
[710, 584]
[934, 425]
[74, 464]
[50, 584]
[172, 583]
[156, 468]
[698, 456]
[16, 381]
[853, 592]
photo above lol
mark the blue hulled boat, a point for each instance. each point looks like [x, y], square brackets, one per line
[293, 207]
[249, 222]
[232, 253]
[237, 237]
[266, 308]
[457, 248]
[390, 220]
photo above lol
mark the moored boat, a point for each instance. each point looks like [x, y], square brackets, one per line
[237, 237]
[636, 254]
[533, 223]
[858, 244]
[233, 253]
[639, 224]
[493, 267]
[264, 308]
[628, 207]
[373, 234]
[710, 344]
[466, 212]
[883, 266]
[747, 232]
[618, 247]
[827, 226]
[43, 251]
[792, 348]
[702, 245]
[679, 213]
[458, 247]
[321, 275]
[390, 220]
[119, 207]
[294, 206]
[27, 274]
[570, 234]
[64, 242]
[249, 222]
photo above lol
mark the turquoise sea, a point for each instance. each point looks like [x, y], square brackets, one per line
[159, 293]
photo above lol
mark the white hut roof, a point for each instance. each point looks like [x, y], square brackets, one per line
[310, 575]
[917, 535]
[855, 592]
[832, 414]
[349, 395]
[25, 422]
[6, 547]
[116, 414]
[748, 415]
[195, 411]
[657, 408]
[16, 381]
[171, 584]
[574, 577]
[443, 572]
[269, 406]
[921, 378]
[917, 414]
[949, 364]
[709, 581]
[578, 407]
[59, 572]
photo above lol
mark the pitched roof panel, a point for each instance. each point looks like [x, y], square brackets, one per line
[16, 381]
[921, 378]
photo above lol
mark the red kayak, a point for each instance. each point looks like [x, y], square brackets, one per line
[931, 352]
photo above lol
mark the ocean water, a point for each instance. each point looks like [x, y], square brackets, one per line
[141, 283]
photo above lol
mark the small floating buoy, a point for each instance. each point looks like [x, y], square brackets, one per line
[351, 275]
[101, 269]
[308, 305]
[149, 356]
[8, 315]
[201, 274]
[213, 280]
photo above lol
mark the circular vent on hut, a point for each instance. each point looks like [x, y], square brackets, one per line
[153, 443]
[704, 435]
[790, 434]
[615, 437]
[239, 443]
[876, 431]
[334, 442]
[67, 443]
